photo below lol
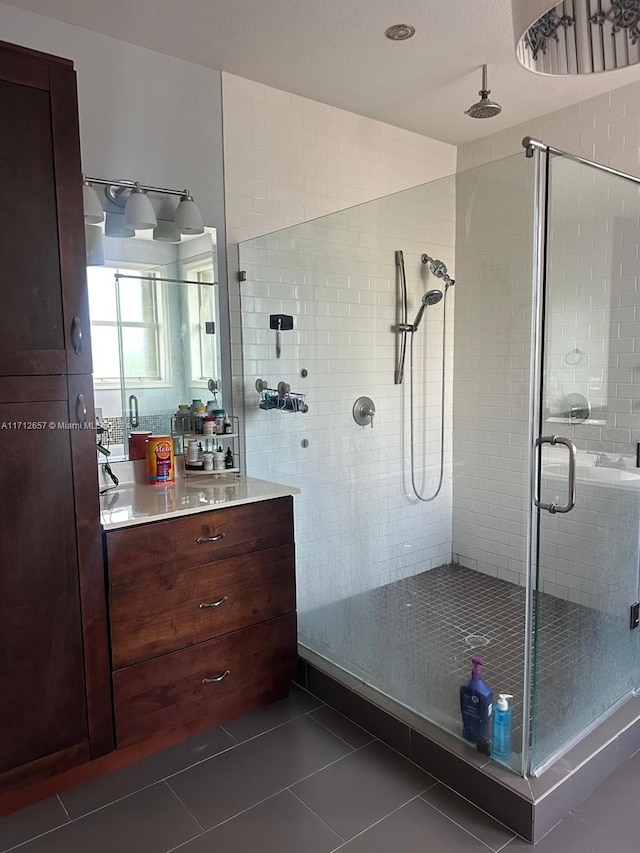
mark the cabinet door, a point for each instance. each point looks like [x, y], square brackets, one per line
[44, 683]
[44, 322]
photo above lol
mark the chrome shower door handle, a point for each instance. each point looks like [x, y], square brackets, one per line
[571, 496]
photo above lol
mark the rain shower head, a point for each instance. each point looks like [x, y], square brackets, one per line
[484, 108]
[431, 297]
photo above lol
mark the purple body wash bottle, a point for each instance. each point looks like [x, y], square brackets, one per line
[476, 705]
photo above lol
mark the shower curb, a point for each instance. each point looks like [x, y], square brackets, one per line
[529, 806]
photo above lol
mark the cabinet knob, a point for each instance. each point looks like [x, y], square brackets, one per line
[81, 410]
[215, 678]
[217, 603]
[76, 335]
[201, 539]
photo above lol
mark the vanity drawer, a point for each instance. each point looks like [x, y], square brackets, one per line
[161, 610]
[168, 692]
[194, 540]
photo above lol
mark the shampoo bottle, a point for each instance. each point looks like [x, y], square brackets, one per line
[501, 742]
[476, 705]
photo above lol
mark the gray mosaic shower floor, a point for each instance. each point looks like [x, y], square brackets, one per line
[414, 639]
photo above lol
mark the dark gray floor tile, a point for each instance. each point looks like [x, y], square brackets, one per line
[611, 812]
[281, 824]
[362, 788]
[27, 823]
[151, 821]
[415, 828]
[106, 789]
[489, 831]
[297, 703]
[503, 803]
[341, 727]
[573, 791]
[569, 836]
[221, 787]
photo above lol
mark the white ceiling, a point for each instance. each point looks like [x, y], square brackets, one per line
[335, 51]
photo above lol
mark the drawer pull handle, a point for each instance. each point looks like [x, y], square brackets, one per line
[217, 603]
[217, 678]
[201, 539]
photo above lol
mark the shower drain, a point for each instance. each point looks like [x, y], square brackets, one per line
[475, 640]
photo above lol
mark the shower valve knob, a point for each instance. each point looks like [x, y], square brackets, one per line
[364, 410]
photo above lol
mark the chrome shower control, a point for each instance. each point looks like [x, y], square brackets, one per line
[364, 410]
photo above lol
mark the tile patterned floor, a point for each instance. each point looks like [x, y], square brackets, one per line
[296, 777]
[413, 639]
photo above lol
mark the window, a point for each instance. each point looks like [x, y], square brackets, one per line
[127, 327]
[202, 313]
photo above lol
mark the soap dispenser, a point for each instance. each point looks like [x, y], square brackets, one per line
[501, 743]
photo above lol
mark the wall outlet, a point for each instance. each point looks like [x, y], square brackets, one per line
[98, 416]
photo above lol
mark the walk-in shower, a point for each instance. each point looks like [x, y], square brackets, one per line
[398, 594]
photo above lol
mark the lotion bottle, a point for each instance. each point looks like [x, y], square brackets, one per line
[501, 742]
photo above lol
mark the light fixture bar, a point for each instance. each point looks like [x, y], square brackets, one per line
[133, 184]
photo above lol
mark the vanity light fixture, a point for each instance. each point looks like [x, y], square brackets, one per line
[188, 218]
[93, 212]
[166, 232]
[139, 213]
[138, 210]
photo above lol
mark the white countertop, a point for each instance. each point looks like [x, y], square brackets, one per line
[138, 503]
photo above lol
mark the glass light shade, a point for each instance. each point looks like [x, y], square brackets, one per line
[115, 227]
[166, 232]
[94, 244]
[188, 218]
[93, 212]
[139, 213]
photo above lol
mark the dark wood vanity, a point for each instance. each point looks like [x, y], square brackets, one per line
[202, 616]
[193, 622]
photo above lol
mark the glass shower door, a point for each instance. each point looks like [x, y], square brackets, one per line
[586, 577]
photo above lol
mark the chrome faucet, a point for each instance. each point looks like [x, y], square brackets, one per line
[603, 460]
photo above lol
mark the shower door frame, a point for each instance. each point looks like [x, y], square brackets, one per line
[540, 153]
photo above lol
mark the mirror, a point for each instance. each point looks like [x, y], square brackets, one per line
[154, 312]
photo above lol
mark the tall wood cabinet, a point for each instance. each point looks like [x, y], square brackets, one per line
[55, 702]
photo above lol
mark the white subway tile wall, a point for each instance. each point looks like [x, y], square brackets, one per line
[358, 525]
[289, 159]
[494, 254]
[593, 349]
[605, 129]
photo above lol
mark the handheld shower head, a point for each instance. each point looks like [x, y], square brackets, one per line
[431, 297]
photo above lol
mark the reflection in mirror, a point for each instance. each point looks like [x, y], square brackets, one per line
[154, 331]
